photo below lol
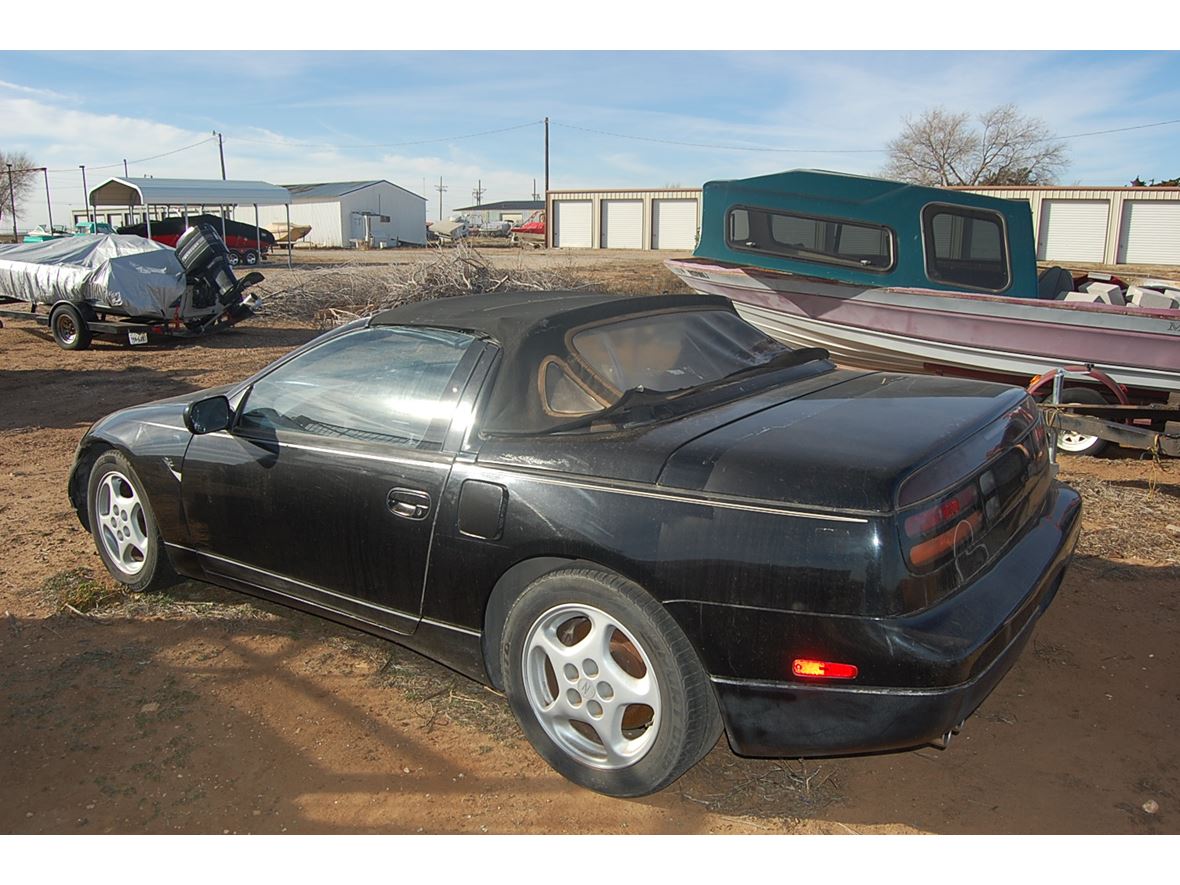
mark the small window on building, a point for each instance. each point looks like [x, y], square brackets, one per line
[965, 247]
[823, 240]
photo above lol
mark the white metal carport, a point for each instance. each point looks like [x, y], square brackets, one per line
[186, 192]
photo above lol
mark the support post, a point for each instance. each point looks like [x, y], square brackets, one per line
[85, 193]
[257, 234]
[290, 245]
[12, 201]
[48, 202]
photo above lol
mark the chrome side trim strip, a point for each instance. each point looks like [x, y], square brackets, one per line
[453, 627]
[388, 459]
[682, 497]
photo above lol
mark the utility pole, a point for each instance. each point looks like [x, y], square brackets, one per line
[125, 175]
[12, 200]
[85, 193]
[548, 223]
[221, 153]
[478, 192]
[536, 196]
[440, 188]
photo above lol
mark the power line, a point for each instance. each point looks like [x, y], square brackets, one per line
[725, 147]
[121, 163]
[385, 144]
[1108, 131]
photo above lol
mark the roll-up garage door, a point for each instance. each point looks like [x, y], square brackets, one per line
[1150, 233]
[674, 224]
[1073, 230]
[622, 224]
[572, 224]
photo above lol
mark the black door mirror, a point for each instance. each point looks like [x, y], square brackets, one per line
[208, 415]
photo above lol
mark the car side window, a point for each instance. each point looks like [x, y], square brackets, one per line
[383, 384]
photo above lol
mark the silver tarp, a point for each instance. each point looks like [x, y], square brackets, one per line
[124, 274]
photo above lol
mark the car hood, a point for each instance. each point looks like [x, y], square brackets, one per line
[846, 446]
[164, 411]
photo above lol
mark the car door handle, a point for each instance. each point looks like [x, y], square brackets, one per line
[408, 503]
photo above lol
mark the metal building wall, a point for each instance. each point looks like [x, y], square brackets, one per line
[407, 213]
[1117, 197]
[324, 218]
[598, 196]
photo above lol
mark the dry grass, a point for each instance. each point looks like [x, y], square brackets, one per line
[77, 590]
[1129, 519]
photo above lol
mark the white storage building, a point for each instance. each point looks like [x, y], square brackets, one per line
[1106, 225]
[669, 218]
[341, 212]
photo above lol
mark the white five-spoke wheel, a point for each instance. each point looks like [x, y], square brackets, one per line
[591, 686]
[123, 525]
[605, 684]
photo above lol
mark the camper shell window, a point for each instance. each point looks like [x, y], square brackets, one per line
[965, 247]
[811, 238]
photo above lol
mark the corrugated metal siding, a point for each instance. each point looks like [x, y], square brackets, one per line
[1073, 230]
[324, 219]
[406, 212]
[674, 223]
[573, 223]
[622, 224]
[1150, 233]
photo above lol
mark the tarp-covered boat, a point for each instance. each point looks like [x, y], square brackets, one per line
[146, 287]
[126, 275]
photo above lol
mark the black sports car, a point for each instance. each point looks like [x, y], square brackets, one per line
[641, 518]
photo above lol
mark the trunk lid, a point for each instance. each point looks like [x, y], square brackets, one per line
[846, 447]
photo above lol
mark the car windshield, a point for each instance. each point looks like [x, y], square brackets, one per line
[607, 364]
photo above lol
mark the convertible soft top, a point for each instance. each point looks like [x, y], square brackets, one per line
[531, 327]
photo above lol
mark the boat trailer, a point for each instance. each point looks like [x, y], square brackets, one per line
[1152, 427]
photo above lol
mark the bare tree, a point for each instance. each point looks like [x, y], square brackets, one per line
[18, 185]
[1006, 147]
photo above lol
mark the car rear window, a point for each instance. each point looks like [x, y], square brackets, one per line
[657, 352]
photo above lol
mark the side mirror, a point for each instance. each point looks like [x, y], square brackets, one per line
[208, 415]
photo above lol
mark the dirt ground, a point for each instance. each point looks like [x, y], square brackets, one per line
[203, 711]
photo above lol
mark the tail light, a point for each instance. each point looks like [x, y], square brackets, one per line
[823, 669]
[938, 524]
[934, 532]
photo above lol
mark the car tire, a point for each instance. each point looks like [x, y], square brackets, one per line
[124, 526]
[70, 331]
[1076, 443]
[605, 684]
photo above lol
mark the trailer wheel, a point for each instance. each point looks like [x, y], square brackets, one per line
[235, 258]
[69, 329]
[250, 258]
[1079, 443]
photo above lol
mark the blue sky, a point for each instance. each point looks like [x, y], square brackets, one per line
[312, 116]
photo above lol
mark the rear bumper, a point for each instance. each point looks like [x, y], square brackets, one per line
[803, 719]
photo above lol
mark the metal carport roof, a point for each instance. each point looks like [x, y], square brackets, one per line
[187, 192]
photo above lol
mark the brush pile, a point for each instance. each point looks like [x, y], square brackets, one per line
[332, 296]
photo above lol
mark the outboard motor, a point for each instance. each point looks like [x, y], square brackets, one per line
[205, 260]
